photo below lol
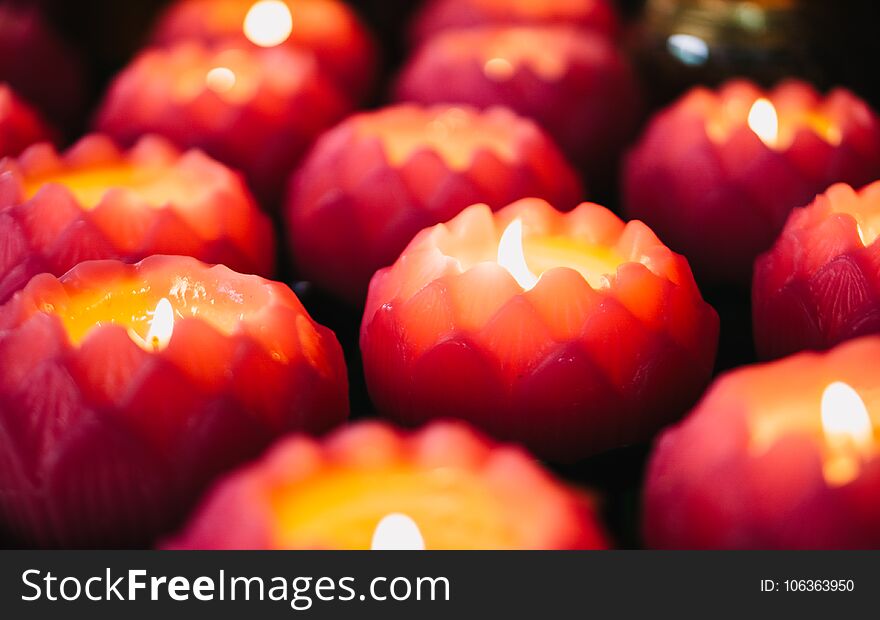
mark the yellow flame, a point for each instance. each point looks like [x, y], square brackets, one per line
[161, 326]
[764, 121]
[220, 79]
[268, 23]
[498, 69]
[512, 257]
[397, 531]
[848, 432]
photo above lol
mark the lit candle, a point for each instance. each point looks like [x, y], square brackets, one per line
[819, 285]
[20, 125]
[374, 181]
[370, 486]
[573, 83]
[570, 333]
[327, 29]
[254, 109]
[780, 455]
[397, 532]
[38, 65]
[142, 383]
[717, 173]
[97, 202]
[442, 15]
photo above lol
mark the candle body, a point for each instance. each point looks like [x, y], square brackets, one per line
[96, 202]
[575, 84]
[256, 110]
[461, 490]
[713, 190]
[442, 15]
[106, 443]
[20, 126]
[819, 284]
[429, 163]
[569, 367]
[747, 468]
[327, 29]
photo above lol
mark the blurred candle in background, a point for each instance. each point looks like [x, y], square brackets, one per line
[574, 83]
[717, 173]
[820, 283]
[441, 15]
[255, 109]
[378, 178]
[95, 201]
[41, 68]
[328, 30]
[20, 125]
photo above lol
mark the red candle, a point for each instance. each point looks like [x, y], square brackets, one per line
[374, 181]
[441, 15]
[39, 65]
[257, 110]
[570, 333]
[327, 29]
[448, 487]
[97, 202]
[20, 125]
[573, 83]
[124, 389]
[717, 173]
[780, 455]
[819, 285]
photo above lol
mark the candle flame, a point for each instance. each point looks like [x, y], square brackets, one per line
[397, 532]
[220, 79]
[848, 432]
[268, 23]
[161, 326]
[512, 257]
[764, 121]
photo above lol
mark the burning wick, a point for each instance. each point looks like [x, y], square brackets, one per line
[268, 23]
[512, 257]
[161, 328]
[397, 532]
[764, 121]
[848, 432]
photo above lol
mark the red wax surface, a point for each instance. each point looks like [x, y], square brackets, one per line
[39, 65]
[441, 15]
[820, 283]
[462, 491]
[20, 125]
[328, 29]
[613, 341]
[572, 82]
[255, 109]
[747, 468]
[374, 181]
[106, 443]
[713, 190]
[95, 201]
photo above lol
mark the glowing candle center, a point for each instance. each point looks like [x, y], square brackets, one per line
[764, 121]
[220, 79]
[268, 23]
[161, 328]
[512, 257]
[397, 532]
[848, 432]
